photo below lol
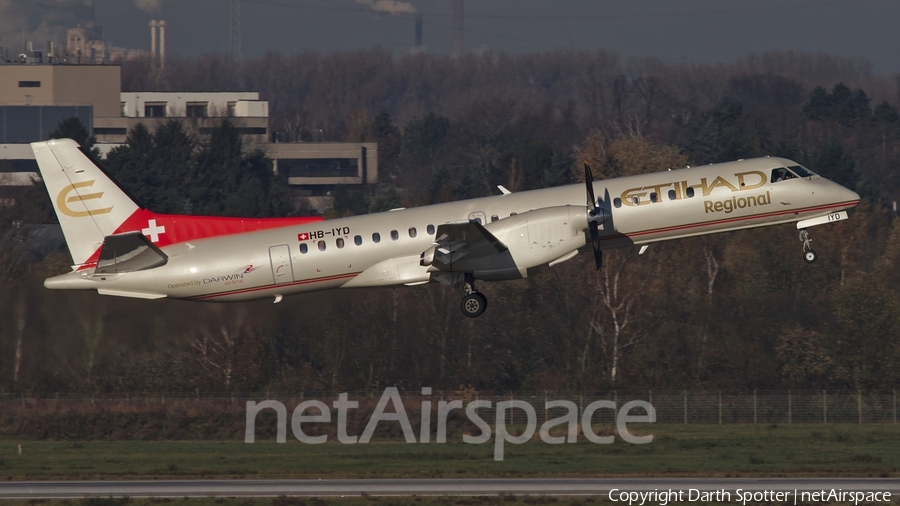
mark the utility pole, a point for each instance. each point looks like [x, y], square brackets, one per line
[234, 30]
[458, 27]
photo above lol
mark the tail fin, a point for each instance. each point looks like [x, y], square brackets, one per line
[89, 205]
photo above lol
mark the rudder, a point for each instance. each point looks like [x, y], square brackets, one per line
[88, 204]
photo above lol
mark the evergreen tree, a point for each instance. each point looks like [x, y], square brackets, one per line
[389, 140]
[831, 161]
[169, 172]
[386, 199]
[73, 128]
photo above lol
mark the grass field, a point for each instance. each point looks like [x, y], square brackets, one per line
[726, 450]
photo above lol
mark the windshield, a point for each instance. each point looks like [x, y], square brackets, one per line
[802, 171]
[782, 174]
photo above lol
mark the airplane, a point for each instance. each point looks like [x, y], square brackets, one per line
[122, 249]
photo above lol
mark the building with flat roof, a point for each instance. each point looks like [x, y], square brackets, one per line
[95, 85]
[34, 98]
[18, 170]
[313, 169]
[198, 111]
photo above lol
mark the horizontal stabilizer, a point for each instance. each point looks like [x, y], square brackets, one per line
[128, 253]
[133, 295]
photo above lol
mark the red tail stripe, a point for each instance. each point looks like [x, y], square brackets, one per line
[167, 229]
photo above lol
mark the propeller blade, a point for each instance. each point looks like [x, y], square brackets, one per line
[595, 242]
[593, 210]
[589, 182]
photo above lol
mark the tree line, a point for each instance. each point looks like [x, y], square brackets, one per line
[738, 310]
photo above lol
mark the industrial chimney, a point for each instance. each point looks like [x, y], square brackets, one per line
[418, 30]
[457, 27]
[162, 44]
[153, 41]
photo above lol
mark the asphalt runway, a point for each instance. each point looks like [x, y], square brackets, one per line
[436, 487]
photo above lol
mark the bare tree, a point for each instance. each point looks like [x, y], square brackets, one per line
[92, 321]
[618, 294]
[712, 271]
[21, 308]
[218, 342]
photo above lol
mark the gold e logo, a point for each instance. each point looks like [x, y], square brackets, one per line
[62, 201]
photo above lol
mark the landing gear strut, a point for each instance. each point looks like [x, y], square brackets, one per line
[473, 302]
[809, 256]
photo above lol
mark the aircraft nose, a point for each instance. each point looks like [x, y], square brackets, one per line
[847, 195]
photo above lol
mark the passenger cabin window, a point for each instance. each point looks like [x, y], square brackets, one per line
[395, 235]
[671, 194]
[340, 242]
[636, 201]
[782, 174]
[430, 229]
[478, 220]
[304, 248]
[690, 193]
[494, 218]
[653, 197]
[412, 232]
[321, 245]
[376, 238]
[617, 202]
[357, 240]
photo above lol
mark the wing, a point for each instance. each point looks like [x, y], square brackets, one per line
[469, 240]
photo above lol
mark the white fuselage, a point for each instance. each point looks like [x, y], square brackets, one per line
[645, 208]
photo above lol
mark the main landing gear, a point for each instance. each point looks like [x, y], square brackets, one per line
[473, 302]
[809, 256]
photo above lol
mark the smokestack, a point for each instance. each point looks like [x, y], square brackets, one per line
[153, 41]
[457, 27]
[50, 51]
[162, 44]
[418, 31]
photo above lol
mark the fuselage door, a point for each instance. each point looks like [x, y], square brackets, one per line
[479, 217]
[280, 256]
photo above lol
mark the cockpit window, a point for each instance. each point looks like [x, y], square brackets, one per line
[781, 174]
[801, 171]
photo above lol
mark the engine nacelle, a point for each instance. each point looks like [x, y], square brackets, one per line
[540, 236]
[427, 257]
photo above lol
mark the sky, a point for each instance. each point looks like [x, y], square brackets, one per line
[690, 31]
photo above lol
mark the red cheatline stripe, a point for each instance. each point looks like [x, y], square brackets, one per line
[644, 232]
[732, 220]
[267, 287]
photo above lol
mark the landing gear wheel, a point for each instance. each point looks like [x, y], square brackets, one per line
[809, 256]
[473, 304]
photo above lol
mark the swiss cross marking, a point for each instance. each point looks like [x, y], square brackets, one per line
[303, 237]
[153, 230]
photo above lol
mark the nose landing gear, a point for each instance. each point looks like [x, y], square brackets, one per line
[809, 256]
[473, 302]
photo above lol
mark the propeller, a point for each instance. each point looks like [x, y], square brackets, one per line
[597, 214]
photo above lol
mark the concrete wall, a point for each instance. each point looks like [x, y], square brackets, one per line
[176, 103]
[95, 85]
[252, 130]
[309, 150]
